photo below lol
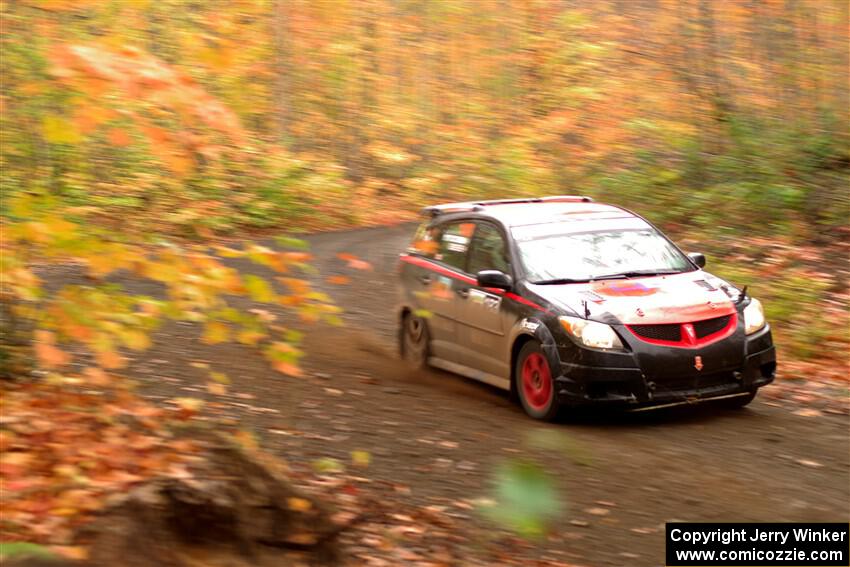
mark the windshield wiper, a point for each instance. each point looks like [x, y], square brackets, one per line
[559, 281]
[617, 276]
[636, 274]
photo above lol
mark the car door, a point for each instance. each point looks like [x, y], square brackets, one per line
[481, 324]
[438, 283]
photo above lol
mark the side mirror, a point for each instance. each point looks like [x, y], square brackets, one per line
[494, 278]
[697, 258]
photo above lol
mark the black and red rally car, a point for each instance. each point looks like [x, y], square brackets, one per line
[566, 302]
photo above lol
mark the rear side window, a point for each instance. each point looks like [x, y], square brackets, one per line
[454, 244]
[425, 241]
[488, 250]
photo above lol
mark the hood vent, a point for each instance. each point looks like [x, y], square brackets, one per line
[705, 285]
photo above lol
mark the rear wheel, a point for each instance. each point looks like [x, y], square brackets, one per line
[535, 384]
[414, 341]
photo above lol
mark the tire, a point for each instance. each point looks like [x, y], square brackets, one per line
[414, 341]
[535, 385]
[739, 401]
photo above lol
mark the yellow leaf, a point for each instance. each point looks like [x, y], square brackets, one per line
[136, 340]
[220, 377]
[259, 289]
[360, 458]
[73, 552]
[216, 389]
[249, 337]
[58, 130]
[215, 332]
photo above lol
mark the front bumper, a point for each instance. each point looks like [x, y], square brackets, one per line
[632, 380]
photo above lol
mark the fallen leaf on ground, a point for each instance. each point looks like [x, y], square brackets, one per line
[808, 412]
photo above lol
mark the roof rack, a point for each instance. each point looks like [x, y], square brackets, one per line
[435, 210]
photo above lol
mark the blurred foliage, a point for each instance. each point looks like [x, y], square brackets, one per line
[525, 500]
[104, 319]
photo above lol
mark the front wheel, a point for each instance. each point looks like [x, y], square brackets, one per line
[535, 384]
[414, 341]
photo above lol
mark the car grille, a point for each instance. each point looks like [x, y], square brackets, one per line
[696, 382]
[686, 334]
[710, 326]
[671, 333]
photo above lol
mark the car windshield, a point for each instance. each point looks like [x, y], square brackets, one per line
[563, 258]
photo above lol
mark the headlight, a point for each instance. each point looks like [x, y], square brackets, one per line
[591, 333]
[753, 316]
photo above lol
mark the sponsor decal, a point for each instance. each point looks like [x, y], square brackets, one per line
[594, 297]
[490, 302]
[631, 289]
[530, 326]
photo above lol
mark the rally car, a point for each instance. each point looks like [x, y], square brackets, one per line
[567, 302]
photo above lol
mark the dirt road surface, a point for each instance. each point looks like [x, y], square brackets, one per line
[435, 438]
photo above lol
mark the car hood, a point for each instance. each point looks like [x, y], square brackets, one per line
[676, 298]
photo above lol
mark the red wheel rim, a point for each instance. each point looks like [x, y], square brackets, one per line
[536, 381]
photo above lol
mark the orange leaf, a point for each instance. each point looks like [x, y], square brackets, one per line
[339, 280]
[110, 359]
[299, 257]
[359, 264]
[96, 376]
[296, 286]
[48, 354]
[287, 368]
[426, 246]
[118, 137]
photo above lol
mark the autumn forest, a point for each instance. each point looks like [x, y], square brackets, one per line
[172, 139]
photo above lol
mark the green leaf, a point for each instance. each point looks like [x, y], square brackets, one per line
[23, 549]
[525, 499]
[294, 243]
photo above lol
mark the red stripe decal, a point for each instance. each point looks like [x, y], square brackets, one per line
[429, 265]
